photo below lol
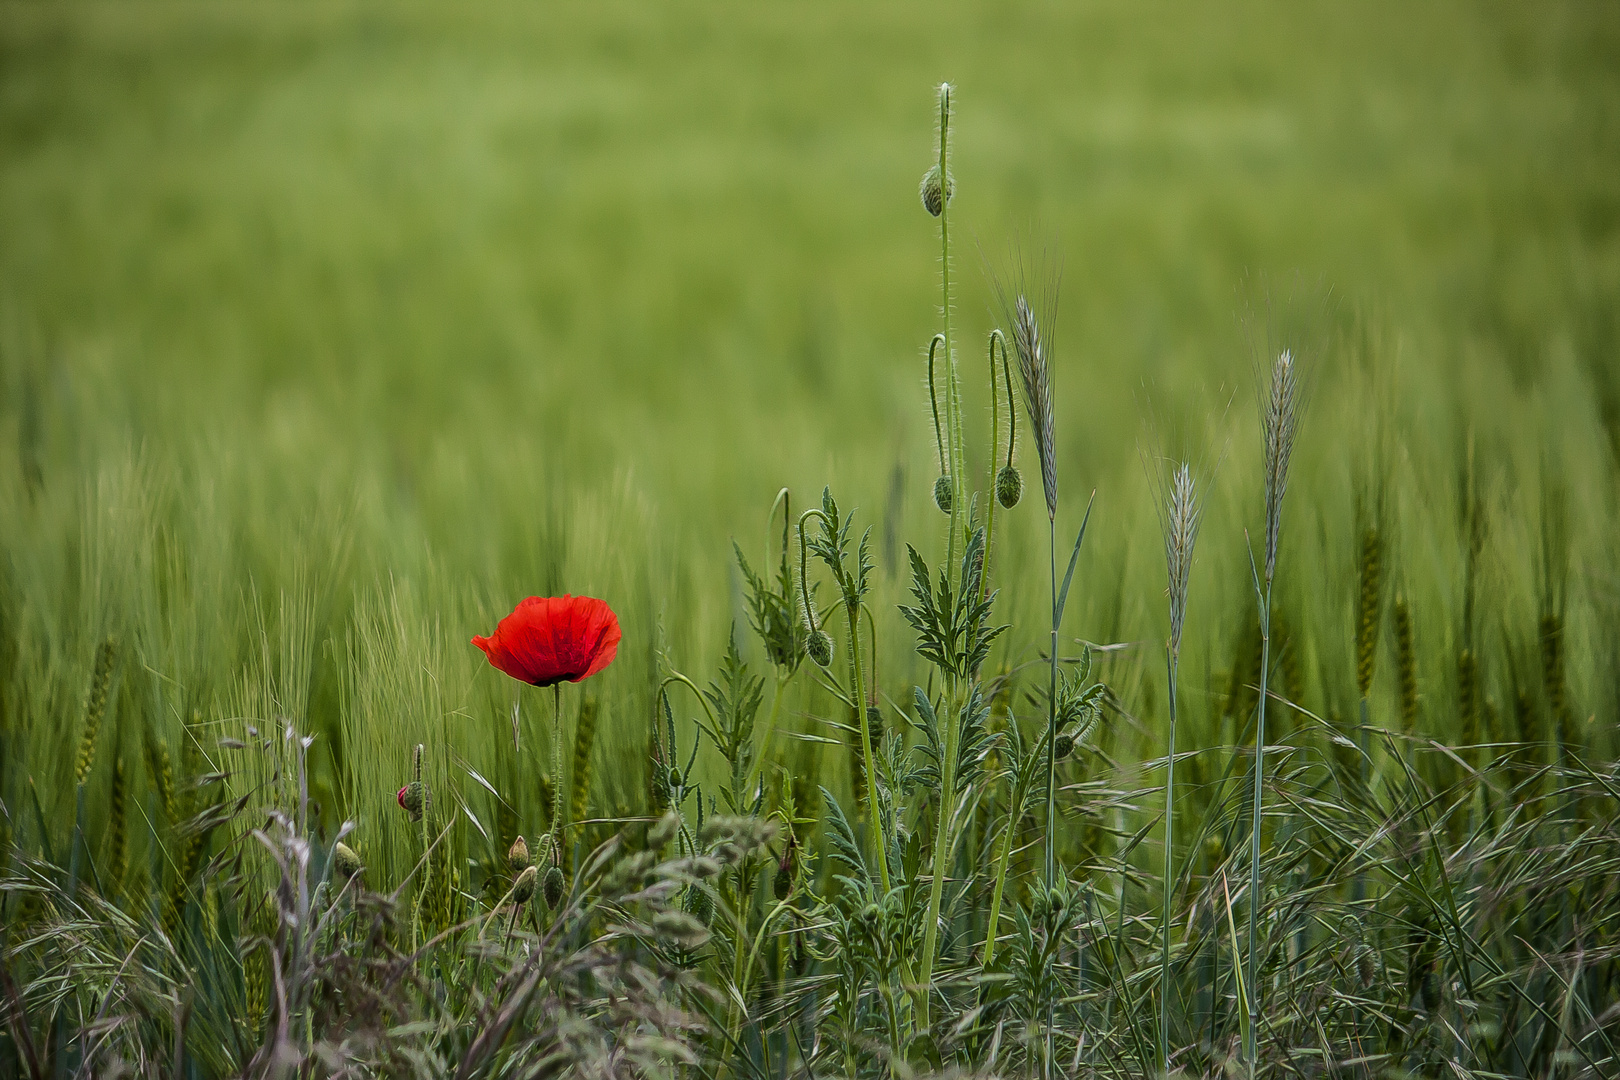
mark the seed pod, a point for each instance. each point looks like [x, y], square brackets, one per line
[874, 725]
[820, 648]
[413, 799]
[934, 194]
[1009, 486]
[345, 861]
[942, 494]
[518, 857]
[523, 887]
[553, 886]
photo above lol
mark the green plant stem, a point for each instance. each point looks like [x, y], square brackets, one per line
[953, 418]
[858, 696]
[1051, 716]
[1254, 836]
[1169, 871]
[995, 436]
[556, 768]
[942, 850]
[1014, 811]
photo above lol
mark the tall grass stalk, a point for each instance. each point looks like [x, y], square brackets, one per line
[1180, 513]
[1279, 417]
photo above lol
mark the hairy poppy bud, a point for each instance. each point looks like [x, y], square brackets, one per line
[523, 887]
[819, 647]
[942, 494]
[787, 870]
[1064, 746]
[345, 861]
[553, 886]
[413, 799]
[874, 724]
[518, 857]
[1009, 486]
[934, 194]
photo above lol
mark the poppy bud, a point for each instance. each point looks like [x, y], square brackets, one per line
[1009, 486]
[553, 886]
[518, 857]
[820, 648]
[934, 194]
[413, 799]
[664, 829]
[345, 861]
[787, 870]
[942, 494]
[675, 778]
[874, 724]
[523, 887]
[1064, 746]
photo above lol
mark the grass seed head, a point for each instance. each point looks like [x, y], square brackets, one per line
[1369, 604]
[95, 707]
[1279, 422]
[1034, 370]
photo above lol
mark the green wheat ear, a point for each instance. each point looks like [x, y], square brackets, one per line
[95, 707]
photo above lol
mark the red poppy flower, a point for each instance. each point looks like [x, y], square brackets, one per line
[552, 639]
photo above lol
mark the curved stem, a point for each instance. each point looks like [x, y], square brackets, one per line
[995, 435]
[933, 402]
[676, 677]
[782, 497]
[1013, 813]
[804, 567]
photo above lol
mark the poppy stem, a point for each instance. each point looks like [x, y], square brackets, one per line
[556, 767]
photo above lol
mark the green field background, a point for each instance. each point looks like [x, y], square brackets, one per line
[329, 331]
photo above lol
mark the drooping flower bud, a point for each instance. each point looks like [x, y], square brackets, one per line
[934, 194]
[819, 646]
[413, 799]
[787, 869]
[523, 887]
[1064, 746]
[942, 494]
[345, 861]
[553, 886]
[1009, 486]
[518, 857]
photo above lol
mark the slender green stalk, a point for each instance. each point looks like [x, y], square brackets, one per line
[1254, 836]
[942, 849]
[858, 696]
[953, 405]
[1051, 715]
[1169, 874]
[557, 766]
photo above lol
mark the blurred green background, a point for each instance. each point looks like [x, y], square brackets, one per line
[330, 330]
